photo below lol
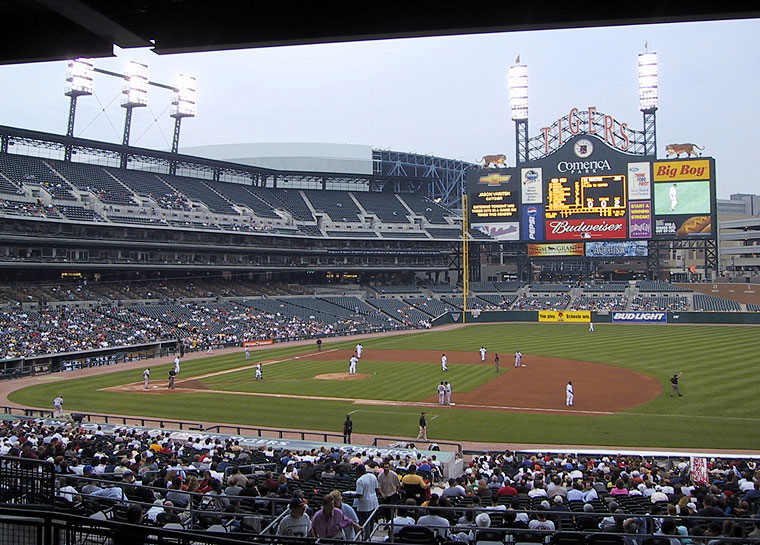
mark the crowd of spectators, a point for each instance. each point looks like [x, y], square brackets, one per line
[203, 480]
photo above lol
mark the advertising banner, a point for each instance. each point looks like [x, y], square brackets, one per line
[640, 219]
[640, 317]
[672, 171]
[509, 230]
[533, 222]
[532, 183]
[639, 181]
[628, 248]
[568, 316]
[587, 229]
[258, 343]
[551, 250]
[684, 226]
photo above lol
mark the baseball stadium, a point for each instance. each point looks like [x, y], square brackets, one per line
[340, 343]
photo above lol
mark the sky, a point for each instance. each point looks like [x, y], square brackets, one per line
[444, 96]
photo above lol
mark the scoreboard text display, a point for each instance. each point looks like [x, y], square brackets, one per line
[588, 191]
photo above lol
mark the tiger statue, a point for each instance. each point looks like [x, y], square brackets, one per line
[678, 149]
[495, 160]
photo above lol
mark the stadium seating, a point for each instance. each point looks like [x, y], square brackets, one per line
[96, 180]
[336, 204]
[385, 206]
[713, 303]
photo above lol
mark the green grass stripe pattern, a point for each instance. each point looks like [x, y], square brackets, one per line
[720, 407]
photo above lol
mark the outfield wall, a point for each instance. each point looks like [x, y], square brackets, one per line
[730, 318]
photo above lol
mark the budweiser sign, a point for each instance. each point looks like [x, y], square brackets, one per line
[590, 229]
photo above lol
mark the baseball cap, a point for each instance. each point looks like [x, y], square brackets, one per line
[88, 467]
[296, 503]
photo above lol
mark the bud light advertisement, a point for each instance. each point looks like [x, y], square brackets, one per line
[533, 222]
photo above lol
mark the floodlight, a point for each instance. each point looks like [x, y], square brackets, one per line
[79, 76]
[136, 88]
[518, 92]
[185, 97]
[648, 82]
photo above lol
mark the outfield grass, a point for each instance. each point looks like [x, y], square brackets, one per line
[719, 408]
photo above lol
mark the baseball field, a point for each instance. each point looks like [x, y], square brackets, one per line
[620, 373]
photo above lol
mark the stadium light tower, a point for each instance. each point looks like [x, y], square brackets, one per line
[135, 91]
[79, 78]
[184, 103]
[518, 100]
[648, 97]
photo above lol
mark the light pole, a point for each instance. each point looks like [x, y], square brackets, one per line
[648, 99]
[79, 78]
[518, 101]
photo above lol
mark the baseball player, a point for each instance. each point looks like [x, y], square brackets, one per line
[444, 362]
[482, 353]
[441, 393]
[172, 378]
[259, 373]
[447, 384]
[518, 358]
[496, 361]
[569, 395]
[673, 194]
[591, 327]
[146, 378]
[58, 404]
[247, 353]
[352, 365]
[176, 365]
[359, 349]
[674, 389]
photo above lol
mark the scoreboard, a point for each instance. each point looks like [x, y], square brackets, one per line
[588, 191]
[597, 196]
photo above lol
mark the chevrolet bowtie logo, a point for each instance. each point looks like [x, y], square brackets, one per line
[495, 179]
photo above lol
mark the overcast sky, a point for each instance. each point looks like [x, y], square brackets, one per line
[441, 96]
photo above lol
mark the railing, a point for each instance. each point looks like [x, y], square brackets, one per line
[26, 481]
[459, 449]
[304, 435]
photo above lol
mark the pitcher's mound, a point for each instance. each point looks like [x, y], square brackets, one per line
[341, 376]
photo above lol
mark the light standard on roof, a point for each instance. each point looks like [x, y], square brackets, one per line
[648, 97]
[518, 100]
[135, 95]
[184, 105]
[79, 78]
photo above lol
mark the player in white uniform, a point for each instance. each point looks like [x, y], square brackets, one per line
[359, 349]
[58, 404]
[569, 395]
[176, 365]
[146, 378]
[482, 353]
[441, 393]
[673, 194]
[259, 373]
[247, 353]
[518, 358]
[444, 362]
[591, 327]
[448, 392]
[352, 365]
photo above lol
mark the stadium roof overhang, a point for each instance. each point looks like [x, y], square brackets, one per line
[43, 30]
